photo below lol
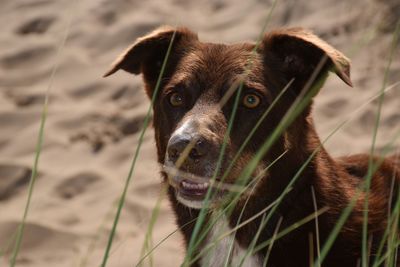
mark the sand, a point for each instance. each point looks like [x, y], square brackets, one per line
[93, 124]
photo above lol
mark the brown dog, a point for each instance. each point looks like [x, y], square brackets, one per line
[193, 108]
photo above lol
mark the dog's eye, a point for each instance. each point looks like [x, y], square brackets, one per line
[176, 100]
[251, 101]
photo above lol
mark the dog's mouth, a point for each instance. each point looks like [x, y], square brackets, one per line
[193, 194]
[193, 189]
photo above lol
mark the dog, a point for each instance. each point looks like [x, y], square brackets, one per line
[208, 98]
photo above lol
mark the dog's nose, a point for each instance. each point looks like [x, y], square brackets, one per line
[196, 148]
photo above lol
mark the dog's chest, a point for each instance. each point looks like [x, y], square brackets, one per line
[226, 251]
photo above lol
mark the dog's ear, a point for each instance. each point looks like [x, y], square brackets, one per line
[297, 53]
[147, 54]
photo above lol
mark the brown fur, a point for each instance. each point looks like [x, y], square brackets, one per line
[203, 72]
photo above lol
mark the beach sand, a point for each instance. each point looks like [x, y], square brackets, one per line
[93, 124]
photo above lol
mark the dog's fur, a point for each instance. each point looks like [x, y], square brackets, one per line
[201, 73]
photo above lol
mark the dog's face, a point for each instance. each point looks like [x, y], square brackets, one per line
[211, 97]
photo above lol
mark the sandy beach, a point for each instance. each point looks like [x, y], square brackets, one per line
[93, 125]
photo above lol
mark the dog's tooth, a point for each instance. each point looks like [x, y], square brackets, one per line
[198, 186]
[188, 185]
[203, 185]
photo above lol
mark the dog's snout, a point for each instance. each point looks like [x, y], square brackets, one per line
[189, 147]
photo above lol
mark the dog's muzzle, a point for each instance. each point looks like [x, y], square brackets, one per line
[190, 161]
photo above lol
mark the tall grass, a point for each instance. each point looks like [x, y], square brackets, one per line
[94, 241]
[39, 144]
[130, 174]
[199, 222]
[365, 254]
[147, 243]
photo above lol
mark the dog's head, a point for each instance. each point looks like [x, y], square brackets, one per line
[207, 90]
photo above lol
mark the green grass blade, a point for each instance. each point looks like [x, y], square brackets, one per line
[278, 225]
[148, 237]
[226, 234]
[346, 212]
[39, 144]
[84, 260]
[290, 228]
[250, 249]
[393, 214]
[316, 226]
[254, 129]
[200, 220]
[268, 242]
[132, 167]
[365, 254]
[201, 216]
[140, 262]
